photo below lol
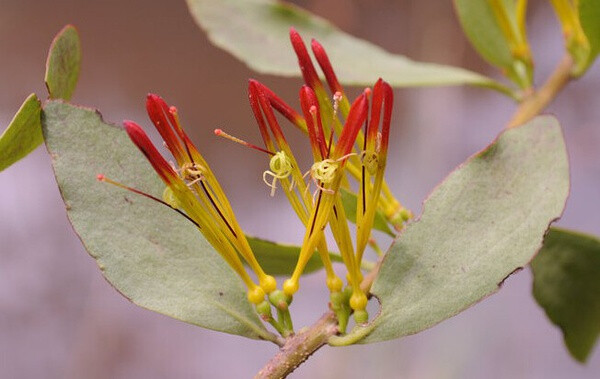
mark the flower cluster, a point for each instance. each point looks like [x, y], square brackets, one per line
[349, 141]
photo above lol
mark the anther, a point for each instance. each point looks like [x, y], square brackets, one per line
[370, 159]
[280, 168]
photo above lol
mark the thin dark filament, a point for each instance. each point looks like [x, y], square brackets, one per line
[312, 226]
[329, 144]
[216, 207]
[187, 149]
[155, 199]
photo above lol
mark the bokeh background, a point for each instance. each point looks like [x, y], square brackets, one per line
[60, 319]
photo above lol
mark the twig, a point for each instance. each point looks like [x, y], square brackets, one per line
[301, 346]
[538, 100]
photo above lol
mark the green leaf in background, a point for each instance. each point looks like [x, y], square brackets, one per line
[479, 24]
[280, 259]
[256, 32]
[589, 16]
[349, 203]
[482, 27]
[566, 283]
[148, 252]
[23, 134]
[62, 65]
[486, 220]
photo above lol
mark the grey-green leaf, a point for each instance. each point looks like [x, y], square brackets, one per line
[349, 203]
[23, 134]
[280, 259]
[62, 65]
[486, 220]
[257, 31]
[149, 253]
[566, 283]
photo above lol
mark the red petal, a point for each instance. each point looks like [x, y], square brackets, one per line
[325, 65]
[141, 140]
[253, 97]
[308, 70]
[356, 118]
[163, 120]
[309, 103]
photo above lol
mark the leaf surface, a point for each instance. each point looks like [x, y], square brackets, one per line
[256, 32]
[63, 64]
[148, 252]
[483, 222]
[23, 134]
[566, 283]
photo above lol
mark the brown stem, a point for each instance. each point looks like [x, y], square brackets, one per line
[538, 100]
[299, 347]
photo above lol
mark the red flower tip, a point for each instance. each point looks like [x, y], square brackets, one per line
[282, 107]
[310, 107]
[141, 140]
[383, 97]
[100, 177]
[164, 119]
[356, 117]
[308, 69]
[326, 66]
[254, 95]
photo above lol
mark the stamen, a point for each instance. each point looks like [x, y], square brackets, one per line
[102, 178]
[281, 167]
[192, 173]
[370, 160]
[221, 133]
[324, 171]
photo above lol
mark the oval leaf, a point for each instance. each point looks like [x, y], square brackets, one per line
[566, 283]
[23, 134]
[62, 65]
[256, 32]
[149, 253]
[486, 220]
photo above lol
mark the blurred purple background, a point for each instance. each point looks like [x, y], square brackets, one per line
[60, 319]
